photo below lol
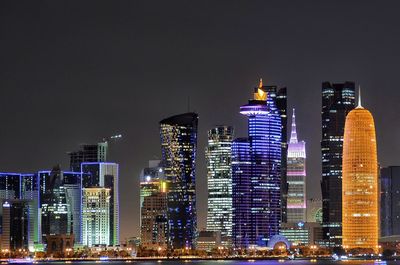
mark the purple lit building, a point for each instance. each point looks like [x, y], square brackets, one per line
[296, 177]
[256, 179]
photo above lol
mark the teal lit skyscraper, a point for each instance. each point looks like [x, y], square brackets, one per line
[219, 177]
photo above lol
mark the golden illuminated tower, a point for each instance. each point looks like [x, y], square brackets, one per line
[360, 181]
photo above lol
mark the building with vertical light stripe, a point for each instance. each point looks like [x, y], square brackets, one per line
[360, 181]
[219, 181]
[296, 177]
[256, 175]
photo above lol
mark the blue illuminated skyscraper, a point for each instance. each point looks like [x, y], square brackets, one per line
[178, 145]
[256, 176]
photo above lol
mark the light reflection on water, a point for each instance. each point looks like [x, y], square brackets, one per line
[234, 262]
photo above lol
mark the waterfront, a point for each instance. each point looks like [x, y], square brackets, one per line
[232, 262]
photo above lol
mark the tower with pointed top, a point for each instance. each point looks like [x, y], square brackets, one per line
[296, 177]
[360, 181]
[256, 176]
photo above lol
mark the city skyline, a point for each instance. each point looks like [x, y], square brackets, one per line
[81, 82]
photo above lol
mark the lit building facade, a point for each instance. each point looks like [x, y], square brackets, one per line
[105, 175]
[360, 181]
[219, 181]
[390, 196]
[178, 146]
[24, 188]
[15, 229]
[296, 177]
[279, 95]
[337, 101]
[96, 216]
[88, 153]
[256, 176]
[153, 207]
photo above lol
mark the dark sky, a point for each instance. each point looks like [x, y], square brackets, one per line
[73, 72]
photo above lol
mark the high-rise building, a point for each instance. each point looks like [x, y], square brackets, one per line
[88, 153]
[219, 181]
[296, 177]
[95, 216]
[337, 101]
[178, 146]
[56, 215]
[279, 95]
[23, 187]
[256, 176]
[154, 223]
[60, 203]
[390, 198]
[153, 207]
[15, 232]
[151, 178]
[360, 181]
[105, 175]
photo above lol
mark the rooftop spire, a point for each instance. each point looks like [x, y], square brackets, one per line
[359, 97]
[293, 134]
[260, 85]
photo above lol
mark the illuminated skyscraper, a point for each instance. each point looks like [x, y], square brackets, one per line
[219, 176]
[279, 95]
[296, 177]
[256, 176]
[337, 101]
[360, 181]
[24, 188]
[153, 207]
[105, 175]
[96, 216]
[390, 198]
[178, 146]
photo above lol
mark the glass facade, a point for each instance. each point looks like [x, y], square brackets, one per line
[279, 95]
[105, 175]
[337, 101]
[23, 188]
[360, 181]
[178, 146]
[219, 181]
[296, 177]
[390, 198]
[256, 175]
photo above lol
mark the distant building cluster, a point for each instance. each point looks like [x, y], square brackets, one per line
[78, 207]
[257, 184]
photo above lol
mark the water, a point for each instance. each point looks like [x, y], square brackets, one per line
[232, 262]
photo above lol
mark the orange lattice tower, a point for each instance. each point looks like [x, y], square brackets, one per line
[360, 181]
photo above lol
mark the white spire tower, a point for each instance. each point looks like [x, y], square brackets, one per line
[293, 134]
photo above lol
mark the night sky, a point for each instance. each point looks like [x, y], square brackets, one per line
[73, 72]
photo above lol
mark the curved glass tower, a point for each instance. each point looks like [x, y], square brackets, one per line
[219, 176]
[178, 145]
[296, 177]
[256, 179]
[360, 181]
